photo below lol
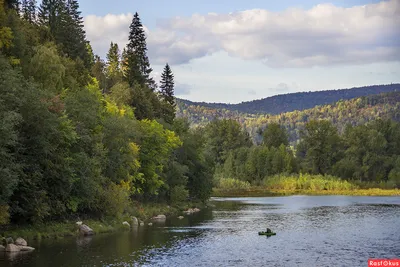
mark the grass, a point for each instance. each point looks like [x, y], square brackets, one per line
[56, 230]
[301, 184]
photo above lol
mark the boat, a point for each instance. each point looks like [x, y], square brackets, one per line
[266, 233]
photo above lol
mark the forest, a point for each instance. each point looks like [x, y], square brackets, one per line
[84, 136]
[296, 101]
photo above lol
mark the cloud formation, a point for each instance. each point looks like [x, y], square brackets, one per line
[323, 35]
[182, 89]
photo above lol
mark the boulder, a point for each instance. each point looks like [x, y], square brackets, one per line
[2, 248]
[12, 248]
[134, 221]
[85, 230]
[26, 248]
[20, 242]
[180, 217]
[196, 210]
[160, 217]
[126, 224]
[141, 223]
[150, 224]
[9, 240]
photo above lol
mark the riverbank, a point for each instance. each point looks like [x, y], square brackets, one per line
[267, 192]
[56, 230]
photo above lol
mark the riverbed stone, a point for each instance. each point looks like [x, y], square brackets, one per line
[160, 217]
[85, 230]
[26, 248]
[134, 222]
[20, 242]
[12, 248]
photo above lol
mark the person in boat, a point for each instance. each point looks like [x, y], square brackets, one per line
[268, 231]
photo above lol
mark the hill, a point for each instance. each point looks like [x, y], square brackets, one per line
[354, 111]
[294, 101]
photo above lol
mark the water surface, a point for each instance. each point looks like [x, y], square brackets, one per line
[311, 231]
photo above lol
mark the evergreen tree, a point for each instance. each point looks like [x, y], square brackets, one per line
[138, 69]
[12, 4]
[29, 10]
[167, 94]
[113, 69]
[275, 135]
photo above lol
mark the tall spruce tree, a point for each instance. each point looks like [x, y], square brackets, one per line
[167, 94]
[66, 25]
[12, 4]
[113, 69]
[138, 69]
[29, 10]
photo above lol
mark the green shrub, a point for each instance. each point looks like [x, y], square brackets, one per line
[233, 184]
[179, 194]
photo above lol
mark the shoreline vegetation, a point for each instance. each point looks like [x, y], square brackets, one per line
[69, 228]
[300, 185]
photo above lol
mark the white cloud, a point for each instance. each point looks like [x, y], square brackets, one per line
[323, 35]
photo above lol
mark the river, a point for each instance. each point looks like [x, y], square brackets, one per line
[311, 231]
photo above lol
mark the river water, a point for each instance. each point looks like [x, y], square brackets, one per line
[311, 231]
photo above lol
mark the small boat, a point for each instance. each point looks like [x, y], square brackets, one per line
[266, 233]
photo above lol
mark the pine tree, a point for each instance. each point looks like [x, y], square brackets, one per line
[113, 70]
[167, 94]
[29, 10]
[12, 4]
[138, 69]
[66, 25]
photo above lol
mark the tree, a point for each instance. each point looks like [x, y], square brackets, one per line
[319, 147]
[138, 65]
[167, 94]
[12, 4]
[113, 68]
[275, 135]
[29, 10]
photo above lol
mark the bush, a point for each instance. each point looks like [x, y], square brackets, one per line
[179, 194]
[233, 184]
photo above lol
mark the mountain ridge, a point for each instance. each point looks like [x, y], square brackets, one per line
[282, 103]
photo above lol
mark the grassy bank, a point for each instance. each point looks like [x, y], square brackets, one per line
[143, 212]
[299, 184]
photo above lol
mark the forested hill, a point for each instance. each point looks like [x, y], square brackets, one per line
[295, 101]
[354, 111]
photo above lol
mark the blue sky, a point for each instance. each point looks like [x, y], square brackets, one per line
[234, 51]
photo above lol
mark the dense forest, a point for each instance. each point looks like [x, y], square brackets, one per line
[84, 136]
[294, 101]
[368, 153]
[80, 135]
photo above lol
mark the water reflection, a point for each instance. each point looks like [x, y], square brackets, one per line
[311, 231]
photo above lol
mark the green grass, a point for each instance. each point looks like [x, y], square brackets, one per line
[303, 184]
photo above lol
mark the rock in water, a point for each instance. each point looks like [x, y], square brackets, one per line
[85, 230]
[20, 242]
[180, 217]
[12, 248]
[126, 224]
[26, 248]
[160, 217]
[150, 224]
[134, 221]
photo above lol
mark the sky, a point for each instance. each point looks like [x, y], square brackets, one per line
[234, 51]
